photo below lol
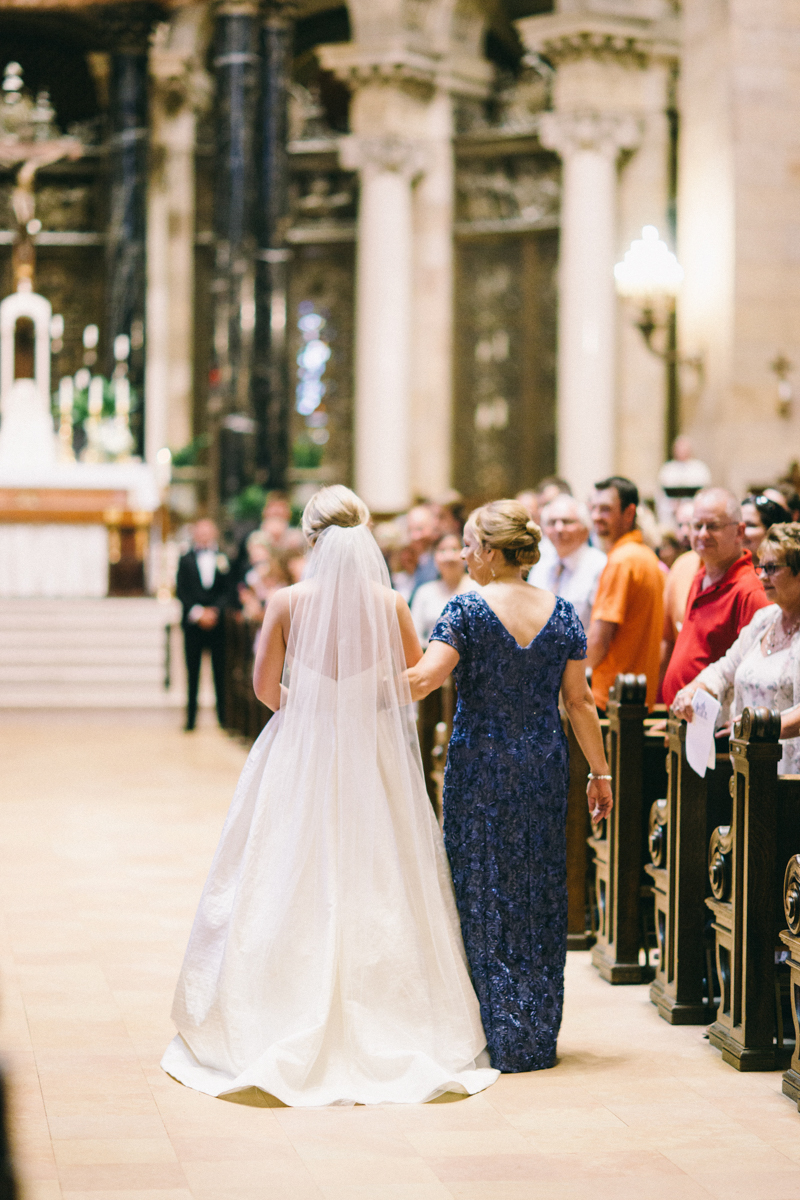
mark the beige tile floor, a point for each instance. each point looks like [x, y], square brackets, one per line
[107, 826]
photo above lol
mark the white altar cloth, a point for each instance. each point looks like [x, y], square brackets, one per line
[53, 560]
[137, 478]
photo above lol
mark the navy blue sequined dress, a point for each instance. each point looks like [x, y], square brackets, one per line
[505, 805]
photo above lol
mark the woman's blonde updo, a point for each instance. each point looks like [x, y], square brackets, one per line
[506, 525]
[335, 505]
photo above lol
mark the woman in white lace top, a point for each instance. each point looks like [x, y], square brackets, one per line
[762, 667]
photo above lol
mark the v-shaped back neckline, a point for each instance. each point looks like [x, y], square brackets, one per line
[508, 632]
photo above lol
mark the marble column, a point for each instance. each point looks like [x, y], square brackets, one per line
[180, 88]
[384, 272]
[235, 63]
[127, 164]
[589, 145]
[270, 379]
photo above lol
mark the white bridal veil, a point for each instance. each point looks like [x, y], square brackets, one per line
[326, 963]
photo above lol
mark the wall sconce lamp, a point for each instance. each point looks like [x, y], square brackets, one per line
[782, 368]
[650, 276]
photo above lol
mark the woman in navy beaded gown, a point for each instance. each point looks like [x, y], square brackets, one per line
[512, 650]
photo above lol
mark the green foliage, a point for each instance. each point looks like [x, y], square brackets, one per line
[188, 456]
[80, 403]
[248, 505]
[306, 454]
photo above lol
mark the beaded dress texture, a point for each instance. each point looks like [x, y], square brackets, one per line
[505, 804]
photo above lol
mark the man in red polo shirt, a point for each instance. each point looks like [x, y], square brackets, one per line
[725, 594]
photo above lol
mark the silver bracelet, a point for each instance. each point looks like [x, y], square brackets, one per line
[593, 776]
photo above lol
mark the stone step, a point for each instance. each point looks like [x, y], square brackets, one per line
[83, 614]
[68, 651]
[92, 696]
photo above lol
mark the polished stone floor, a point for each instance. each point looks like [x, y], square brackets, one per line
[107, 826]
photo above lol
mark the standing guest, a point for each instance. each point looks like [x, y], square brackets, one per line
[759, 514]
[421, 527]
[575, 570]
[203, 588]
[535, 500]
[513, 650]
[725, 594]
[762, 667]
[276, 517]
[681, 475]
[628, 612]
[679, 581]
[430, 598]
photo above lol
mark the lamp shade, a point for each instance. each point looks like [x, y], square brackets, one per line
[649, 271]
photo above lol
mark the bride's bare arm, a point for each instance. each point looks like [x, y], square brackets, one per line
[432, 669]
[411, 647]
[271, 651]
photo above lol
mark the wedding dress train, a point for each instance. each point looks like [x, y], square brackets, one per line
[326, 964]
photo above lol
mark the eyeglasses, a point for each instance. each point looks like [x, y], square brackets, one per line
[769, 569]
[711, 527]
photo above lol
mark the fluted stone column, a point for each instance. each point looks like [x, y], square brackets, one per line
[235, 63]
[384, 271]
[270, 394]
[589, 145]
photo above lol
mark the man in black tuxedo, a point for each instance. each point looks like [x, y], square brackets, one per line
[203, 588]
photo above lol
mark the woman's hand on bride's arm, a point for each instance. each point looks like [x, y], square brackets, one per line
[271, 651]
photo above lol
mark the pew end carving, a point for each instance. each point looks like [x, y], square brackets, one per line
[678, 831]
[791, 939]
[747, 896]
[635, 747]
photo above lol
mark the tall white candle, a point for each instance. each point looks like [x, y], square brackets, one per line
[96, 396]
[122, 397]
[66, 395]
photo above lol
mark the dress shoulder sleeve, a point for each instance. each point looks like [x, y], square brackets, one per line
[452, 625]
[575, 633]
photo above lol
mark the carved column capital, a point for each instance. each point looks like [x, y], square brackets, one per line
[603, 133]
[385, 153]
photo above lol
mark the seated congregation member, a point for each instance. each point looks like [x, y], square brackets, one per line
[725, 594]
[762, 666]
[575, 570]
[203, 588]
[628, 612]
[430, 598]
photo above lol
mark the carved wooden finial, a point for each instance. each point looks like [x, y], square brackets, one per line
[629, 689]
[791, 894]
[758, 725]
[719, 862]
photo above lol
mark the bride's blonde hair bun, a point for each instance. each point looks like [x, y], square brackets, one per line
[335, 505]
[506, 525]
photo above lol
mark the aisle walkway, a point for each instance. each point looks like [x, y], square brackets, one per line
[107, 826]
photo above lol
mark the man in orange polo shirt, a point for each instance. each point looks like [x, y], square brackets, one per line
[628, 612]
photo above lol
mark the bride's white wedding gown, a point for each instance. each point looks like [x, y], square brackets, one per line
[326, 964]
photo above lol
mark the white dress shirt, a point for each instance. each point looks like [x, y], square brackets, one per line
[575, 578]
[207, 567]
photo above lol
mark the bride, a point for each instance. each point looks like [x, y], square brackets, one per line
[326, 965]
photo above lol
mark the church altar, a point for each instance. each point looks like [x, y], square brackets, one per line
[62, 523]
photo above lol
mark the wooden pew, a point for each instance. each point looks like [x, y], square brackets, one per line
[580, 935]
[791, 938]
[638, 765]
[678, 832]
[745, 864]
[245, 715]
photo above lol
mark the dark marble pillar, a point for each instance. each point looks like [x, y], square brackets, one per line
[236, 62]
[271, 401]
[128, 29]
